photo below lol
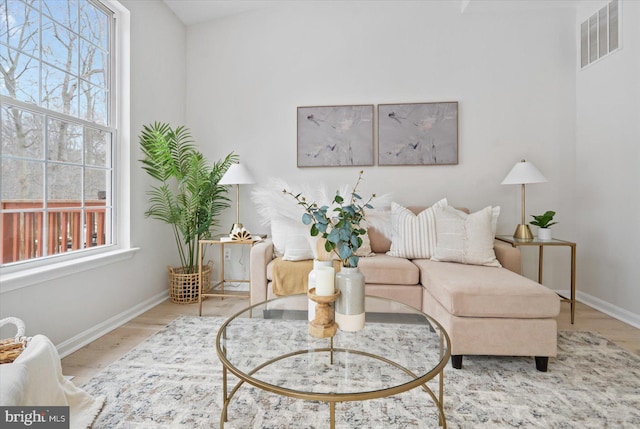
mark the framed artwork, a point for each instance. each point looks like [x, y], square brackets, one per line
[418, 134]
[333, 136]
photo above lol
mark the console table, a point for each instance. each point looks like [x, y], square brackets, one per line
[515, 242]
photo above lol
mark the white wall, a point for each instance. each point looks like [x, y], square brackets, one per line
[71, 308]
[512, 73]
[608, 171]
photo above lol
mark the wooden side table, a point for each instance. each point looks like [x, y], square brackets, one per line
[541, 245]
[217, 289]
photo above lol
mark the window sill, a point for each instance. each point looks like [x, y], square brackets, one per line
[33, 276]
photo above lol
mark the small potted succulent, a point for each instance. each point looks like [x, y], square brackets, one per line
[544, 222]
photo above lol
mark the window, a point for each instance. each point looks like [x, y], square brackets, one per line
[600, 33]
[58, 128]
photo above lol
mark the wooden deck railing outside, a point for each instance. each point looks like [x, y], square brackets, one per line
[23, 228]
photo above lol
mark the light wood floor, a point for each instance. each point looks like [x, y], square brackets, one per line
[89, 360]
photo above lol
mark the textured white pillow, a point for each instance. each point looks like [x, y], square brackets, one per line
[297, 247]
[413, 236]
[466, 238]
[279, 233]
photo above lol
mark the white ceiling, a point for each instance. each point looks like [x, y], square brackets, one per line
[195, 11]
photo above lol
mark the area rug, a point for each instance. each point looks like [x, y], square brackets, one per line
[174, 380]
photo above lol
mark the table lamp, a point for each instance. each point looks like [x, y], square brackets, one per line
[237, 175]
[523, 173]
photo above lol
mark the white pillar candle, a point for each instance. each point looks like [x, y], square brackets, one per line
[324, 281]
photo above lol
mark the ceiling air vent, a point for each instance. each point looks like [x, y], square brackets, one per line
[600, 34]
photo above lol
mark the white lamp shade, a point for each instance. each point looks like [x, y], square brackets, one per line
[524, 172]
[237, 174]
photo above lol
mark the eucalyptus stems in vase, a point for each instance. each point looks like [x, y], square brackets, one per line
[340, 226]
[342, 233]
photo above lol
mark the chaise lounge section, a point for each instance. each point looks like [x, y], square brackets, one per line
[490, 311]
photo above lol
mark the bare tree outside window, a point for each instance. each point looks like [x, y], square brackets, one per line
[57, 134]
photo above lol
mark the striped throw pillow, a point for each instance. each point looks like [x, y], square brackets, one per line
[413, 236]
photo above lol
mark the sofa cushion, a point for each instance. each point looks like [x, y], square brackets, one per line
[477, 291]
[384, 269]
[377, 269]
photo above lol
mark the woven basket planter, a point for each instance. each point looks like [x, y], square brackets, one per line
[184, 288]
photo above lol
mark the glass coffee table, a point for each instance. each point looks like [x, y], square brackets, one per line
[268, 346]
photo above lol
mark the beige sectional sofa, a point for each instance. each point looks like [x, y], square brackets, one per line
[485, 310]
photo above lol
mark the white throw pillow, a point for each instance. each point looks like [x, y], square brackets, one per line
[413, 236]
[466, 238]
[297, 247]
[279, 234]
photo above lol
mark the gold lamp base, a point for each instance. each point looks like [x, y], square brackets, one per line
[235, 226]
[523, 233]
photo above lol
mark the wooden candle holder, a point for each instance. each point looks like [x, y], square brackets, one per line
[324, 325]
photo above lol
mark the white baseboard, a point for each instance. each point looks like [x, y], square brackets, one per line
[614, 311]
[82, 339]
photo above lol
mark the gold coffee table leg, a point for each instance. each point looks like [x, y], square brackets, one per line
[441, 418]
[331, 352]
[332, 415]
[225, 399]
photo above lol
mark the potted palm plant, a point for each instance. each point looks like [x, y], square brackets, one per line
[187, 197]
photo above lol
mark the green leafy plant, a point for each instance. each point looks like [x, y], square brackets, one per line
[340, 226]
[543, 221]
[188, 197]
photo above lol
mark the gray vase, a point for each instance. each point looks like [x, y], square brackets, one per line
[350, 302]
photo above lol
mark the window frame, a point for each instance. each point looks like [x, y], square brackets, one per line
[28, 272]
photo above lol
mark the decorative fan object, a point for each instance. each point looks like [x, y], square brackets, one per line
[240, 234]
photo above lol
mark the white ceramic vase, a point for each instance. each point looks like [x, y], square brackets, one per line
[544, 234]
[350, 303]
[312, 283]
